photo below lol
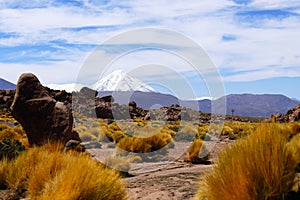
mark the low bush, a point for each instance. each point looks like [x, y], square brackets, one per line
[3, 171]
[294, 146]
[145, 145]
[48, 173]
[186, 133]
[10, 148]
[197, 152]
[260, 166]
[121, 163]
[16, 133]
[194, 149]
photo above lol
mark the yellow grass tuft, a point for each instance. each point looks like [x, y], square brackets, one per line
[3, 170]
[84, 178]
[15, 133]
[48, 173]
[260, 166]
[294, 146]
[194, 149]
[145, 145]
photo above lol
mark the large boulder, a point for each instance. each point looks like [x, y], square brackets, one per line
[42, 117]
[103, 107]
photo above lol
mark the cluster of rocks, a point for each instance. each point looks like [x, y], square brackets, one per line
[6, 99]
[292, 115]
[88, 103]
[47, 114]
[175, 113]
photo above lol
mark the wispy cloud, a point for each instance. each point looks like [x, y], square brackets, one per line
[247, 39]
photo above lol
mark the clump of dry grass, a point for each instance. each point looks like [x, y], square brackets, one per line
[48, 173]
[8, 132]
[3, 170]
[194, 149]
[83, 178]
[241, 128]
[134, 144]
[294, 146]
[187, 132]
[121, 163]
[260, 166]
[145, 145]
[15, 133]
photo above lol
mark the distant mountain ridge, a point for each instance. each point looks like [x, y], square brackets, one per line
[126, 88]
[6, 85]
[257, 105]
[250, 105]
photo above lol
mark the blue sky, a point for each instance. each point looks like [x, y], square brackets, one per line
[253, 43]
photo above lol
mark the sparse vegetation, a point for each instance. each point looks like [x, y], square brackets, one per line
[194, 150]
[260, 166]
[12, 141]
[48, 173]
[10, 148]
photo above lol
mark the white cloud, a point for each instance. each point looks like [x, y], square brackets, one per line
[275, 4]
[58, 72]
[265, 51]
[263, 74]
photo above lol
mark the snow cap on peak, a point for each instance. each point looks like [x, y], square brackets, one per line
[119, 80]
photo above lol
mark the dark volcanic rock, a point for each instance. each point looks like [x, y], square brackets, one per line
[104, 107]
[292, 115]
[6, 99]
[172, 113]
[41, 116]
[88, 92]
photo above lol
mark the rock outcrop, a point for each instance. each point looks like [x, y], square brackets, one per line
[104, 107]
[42, 117]
[292, 115]
[175, 113]
[6, 99]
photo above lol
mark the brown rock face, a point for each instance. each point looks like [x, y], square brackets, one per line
[292, 115]
[42, 117]
[6, 99]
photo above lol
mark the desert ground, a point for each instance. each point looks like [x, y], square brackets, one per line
[168, 179]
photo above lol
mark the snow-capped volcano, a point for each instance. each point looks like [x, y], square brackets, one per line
[120, 81]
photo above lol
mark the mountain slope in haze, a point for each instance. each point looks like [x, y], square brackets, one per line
[6, 85]
[121, 81]
[256, 105]
[249, 105]
[144, 100]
